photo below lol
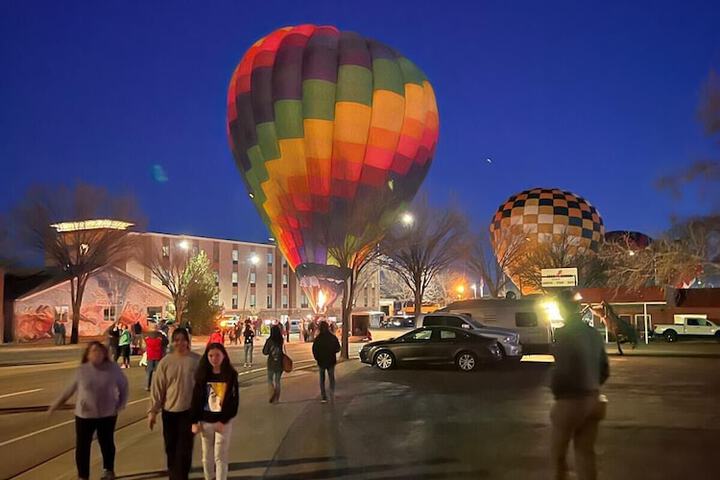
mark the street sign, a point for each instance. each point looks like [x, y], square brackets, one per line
[559, 277]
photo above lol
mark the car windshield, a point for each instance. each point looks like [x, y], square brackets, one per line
[473, 322]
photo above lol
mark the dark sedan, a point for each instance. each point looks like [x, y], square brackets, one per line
[433, 345]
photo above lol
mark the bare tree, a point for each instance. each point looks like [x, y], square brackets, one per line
[686, 251]
[418, 252]
[562, 252]
[355, 254]
[169, 264]
[706, 171]
[77, 231]
[493, 268]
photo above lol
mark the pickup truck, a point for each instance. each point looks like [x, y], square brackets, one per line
[690, 327]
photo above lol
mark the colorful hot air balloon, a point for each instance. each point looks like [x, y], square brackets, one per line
[324, 124]
[543, 215]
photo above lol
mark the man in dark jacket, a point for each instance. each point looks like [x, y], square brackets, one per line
[581, 367]
[325, 347]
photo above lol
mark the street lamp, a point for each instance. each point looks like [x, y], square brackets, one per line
[460, 290]
[254, 259]
[474, 289]
[184, 244]
[407, 219]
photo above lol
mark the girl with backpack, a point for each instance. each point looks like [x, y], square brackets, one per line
[214, 405]
[274, 348]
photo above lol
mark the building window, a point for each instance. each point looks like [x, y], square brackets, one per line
[195, 250]
[154, 312]
[303, 300]
[284, 262]
[284, 301]
[109, 313]
[61, 313]
[235, 256]
[234, 279]
[269, 301]
[285, 280]
[269, 258]
[234, 301]
[269, 279]
[217, 278]
[165, 251]
[252, 279]
[253, 303]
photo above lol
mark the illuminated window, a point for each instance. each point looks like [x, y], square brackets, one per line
[234, 279]
[252, 279]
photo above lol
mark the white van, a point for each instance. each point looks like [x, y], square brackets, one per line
[534, 319]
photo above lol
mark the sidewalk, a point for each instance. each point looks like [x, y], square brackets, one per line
[258, 430]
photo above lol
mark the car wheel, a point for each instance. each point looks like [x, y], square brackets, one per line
[503, 356]
[670, 335]
[717, 336]
[466, 361]
[384, 360]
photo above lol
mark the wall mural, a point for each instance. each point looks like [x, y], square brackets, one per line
[131, 298]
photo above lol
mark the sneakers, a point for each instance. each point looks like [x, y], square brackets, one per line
[108, 475]
[323, 400]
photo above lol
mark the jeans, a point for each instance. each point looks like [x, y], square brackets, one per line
[84, 430]
[178, 436]
[331, 374]
[215, 450]
[248, 353]
[274, 381]
[575, 419]
[59, 339]
[151, 366]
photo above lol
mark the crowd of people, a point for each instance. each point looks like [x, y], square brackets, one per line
[193, 395]
[199, 395]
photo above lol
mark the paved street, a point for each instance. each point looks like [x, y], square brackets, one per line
[406, 423]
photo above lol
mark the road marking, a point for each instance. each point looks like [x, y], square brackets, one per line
[20, 393]
[47, 429]
[13, 440]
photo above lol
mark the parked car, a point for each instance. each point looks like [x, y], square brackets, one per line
[466, 349]
[399, 321]
[508, 341]
[688, 327]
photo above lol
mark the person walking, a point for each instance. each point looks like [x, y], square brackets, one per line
[102, 391]
[325, 348]
[124, 343]
[56, 331]
[581, 367]
[214, 405]
[155, 347]
[248, 343]
[216, 337]
[171, 393]
[113, 334]
[287, 331]
[63, 331]
[274, 348]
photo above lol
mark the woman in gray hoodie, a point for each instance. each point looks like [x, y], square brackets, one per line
[102, 391]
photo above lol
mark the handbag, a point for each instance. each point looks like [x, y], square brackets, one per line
[287, 363]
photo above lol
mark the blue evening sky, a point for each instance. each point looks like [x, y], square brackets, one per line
[598, 98]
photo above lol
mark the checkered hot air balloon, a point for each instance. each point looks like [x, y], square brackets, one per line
[322, 124]
[543, 215]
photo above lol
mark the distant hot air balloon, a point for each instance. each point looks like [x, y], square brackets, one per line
[323, 124]
[545, 215]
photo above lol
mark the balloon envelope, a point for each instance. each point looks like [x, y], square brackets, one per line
[545, 215]
[325, 126]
